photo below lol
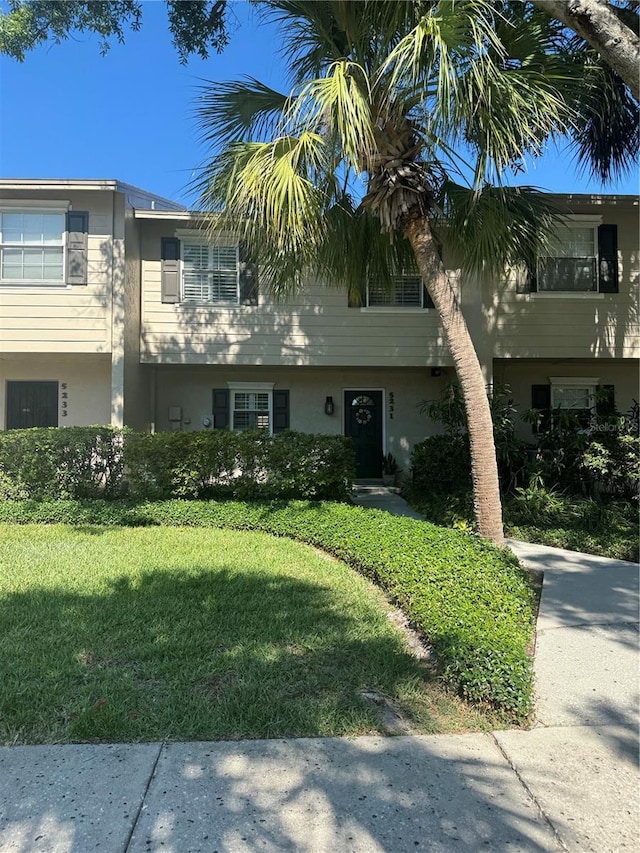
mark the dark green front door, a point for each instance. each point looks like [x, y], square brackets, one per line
[363, 423]
[32, 404]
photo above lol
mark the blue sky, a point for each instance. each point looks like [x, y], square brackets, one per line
[69, 112]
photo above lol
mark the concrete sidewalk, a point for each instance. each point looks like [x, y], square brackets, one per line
[569, 784]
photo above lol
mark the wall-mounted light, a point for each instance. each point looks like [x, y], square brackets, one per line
[329, 408]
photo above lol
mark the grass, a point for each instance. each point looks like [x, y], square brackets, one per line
[607, 529]
[137, 634]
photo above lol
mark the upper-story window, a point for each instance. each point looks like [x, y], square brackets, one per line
[572, 263]
[32, 246]
[406, 292]
[210, 273]
[198, 272]
[581, 260]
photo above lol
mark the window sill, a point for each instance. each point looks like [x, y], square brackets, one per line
[393, 309]
[30, 284]
[565, 294]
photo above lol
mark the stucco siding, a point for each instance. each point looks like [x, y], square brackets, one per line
[190, 387]
[87, 379]
[520, 375]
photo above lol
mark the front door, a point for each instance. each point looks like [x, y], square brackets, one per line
[32, 404]
[363, 423]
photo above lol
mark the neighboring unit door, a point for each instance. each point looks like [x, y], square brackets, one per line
[363, 423]
[32, 404]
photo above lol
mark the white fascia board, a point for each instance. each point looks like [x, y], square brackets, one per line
[181, 215]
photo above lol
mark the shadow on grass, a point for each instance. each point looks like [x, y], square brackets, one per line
[193, 654]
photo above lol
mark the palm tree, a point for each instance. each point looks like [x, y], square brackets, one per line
[353, 174]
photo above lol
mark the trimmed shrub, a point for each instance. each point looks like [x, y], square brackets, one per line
[473, 602]
[245, 465]
[441, 464]
[90, 462]
[61, 462]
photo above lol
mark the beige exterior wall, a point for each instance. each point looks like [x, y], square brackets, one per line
[573, 326]
[317, 328]
[87, 377]
[64, 319]
[521, 374]
[190, 387]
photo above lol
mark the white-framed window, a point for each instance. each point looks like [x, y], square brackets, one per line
[32, 246]
[571, 265]
[251, 406]
[576, 395]
[407, 292]
[210, 273]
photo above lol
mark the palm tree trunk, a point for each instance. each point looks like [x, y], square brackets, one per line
[484, 469]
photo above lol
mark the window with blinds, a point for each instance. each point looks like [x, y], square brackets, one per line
[210, 273]
[251, 409]
[32, 246]
[406, 293]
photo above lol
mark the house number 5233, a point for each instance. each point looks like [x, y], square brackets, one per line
[64, 400]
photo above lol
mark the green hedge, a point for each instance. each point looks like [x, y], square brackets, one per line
[65, 462]
[90, 462]
[473, 602]
[244, 465]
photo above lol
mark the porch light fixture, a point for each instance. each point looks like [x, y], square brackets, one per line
[329, 408]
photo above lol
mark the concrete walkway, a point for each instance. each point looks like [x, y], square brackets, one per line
[571, 783]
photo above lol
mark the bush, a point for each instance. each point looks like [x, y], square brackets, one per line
[443, 463]
[473, 602]
[245, 465]
[90, 462]
[64, 462]
[602, 458]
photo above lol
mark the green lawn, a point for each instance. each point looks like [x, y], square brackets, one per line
[134, 634]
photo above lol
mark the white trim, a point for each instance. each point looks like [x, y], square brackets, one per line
[393, 309]
[51, 206]
[46, 208]
[250, 386]
[565, 294]
[575, 381]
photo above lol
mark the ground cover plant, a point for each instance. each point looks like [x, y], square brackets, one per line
[473, 602]
[536, 514]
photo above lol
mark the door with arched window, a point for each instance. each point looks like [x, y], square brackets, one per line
[363, 423]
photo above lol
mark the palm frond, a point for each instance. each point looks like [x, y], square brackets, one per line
[495, 227]
[338, 104]
[606, 132]
[237, 111]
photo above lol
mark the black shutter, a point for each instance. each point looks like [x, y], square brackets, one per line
[248, 278]
[606, 401]
[220, 408]
[357, 296]
[77, 246]
[170, 255]
[608, 258]
[280, 411]
[427, 301]
[527, 281]
[541, 400]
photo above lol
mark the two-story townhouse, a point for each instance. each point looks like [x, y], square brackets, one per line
[179, 334]
[69, 303]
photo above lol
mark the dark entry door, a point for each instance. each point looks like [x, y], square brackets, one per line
[363, 422]
[32, 404]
